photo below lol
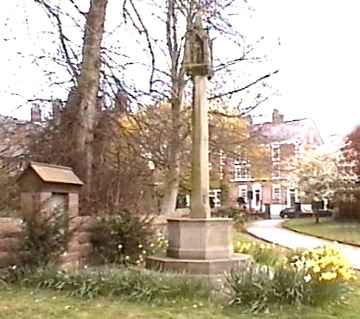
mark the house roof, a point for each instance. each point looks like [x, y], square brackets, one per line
[302, 131]
[55, 174]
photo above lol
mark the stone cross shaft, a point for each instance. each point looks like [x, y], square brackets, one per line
[198, 64]
[200, 150]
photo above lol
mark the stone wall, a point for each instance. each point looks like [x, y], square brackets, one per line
[79, 247]
[11, 241]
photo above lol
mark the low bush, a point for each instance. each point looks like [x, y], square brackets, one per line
[313, 277]
[349, 210]
[131, 285]
[45, 238]
[9, 199]
[261, 287]
[240, 216]
[125, 238]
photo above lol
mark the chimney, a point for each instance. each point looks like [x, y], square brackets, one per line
[56, 111]
[100, 104]
[35, 113]
[121, 101]
[249, 120]
[277, 117]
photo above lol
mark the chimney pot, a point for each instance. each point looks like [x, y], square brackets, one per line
[277, 117]
[121, 101]
[35, 113]
[56, 111]
[249, 119]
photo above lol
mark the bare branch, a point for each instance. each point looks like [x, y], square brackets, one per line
[142, 30]
[51, 13]
[262, 78]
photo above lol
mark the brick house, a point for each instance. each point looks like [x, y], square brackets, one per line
[283, 141]
[15, 136]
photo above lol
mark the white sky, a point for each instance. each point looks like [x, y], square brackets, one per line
[319, 60]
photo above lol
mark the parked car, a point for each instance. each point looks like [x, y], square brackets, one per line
[292, 212]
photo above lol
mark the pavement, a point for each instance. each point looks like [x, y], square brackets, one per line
[270, 230]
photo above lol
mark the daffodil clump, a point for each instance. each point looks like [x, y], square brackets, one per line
[157, 246]
[316, 276]
[323, 265]
[266, 254]
[247, 247]
[126, 238]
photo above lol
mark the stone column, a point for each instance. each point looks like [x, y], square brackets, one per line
[200, 207]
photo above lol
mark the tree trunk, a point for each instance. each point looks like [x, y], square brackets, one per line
[225, 185]
[317, 217]
[168, 204]
[87, 90]
[172, 180]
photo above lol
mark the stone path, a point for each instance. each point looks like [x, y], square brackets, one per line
[271, 231]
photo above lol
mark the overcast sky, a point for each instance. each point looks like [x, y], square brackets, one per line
[318, 58]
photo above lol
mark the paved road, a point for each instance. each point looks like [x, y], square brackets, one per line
[271, 230]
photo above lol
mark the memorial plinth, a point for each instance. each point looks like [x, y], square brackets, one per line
[199, 246]
[198, 268]
[200, 238]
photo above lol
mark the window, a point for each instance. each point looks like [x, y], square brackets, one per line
[222, 163]
[276, 195]
[215, 196]
[276, 170]
[241, 170]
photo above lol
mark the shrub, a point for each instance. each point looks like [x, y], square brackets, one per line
[9, 199]
[45, 237]
[239, 216]
[127, 284]
[348, 210]
[260, 287]
[125, 238]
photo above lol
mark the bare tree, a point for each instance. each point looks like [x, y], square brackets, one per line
[85, 98]
[102, 71]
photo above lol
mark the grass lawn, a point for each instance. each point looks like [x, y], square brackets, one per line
[16, 303]
[244, 237]
[327, 228]
[26, 303]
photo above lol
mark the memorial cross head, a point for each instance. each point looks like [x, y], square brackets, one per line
[198, 51]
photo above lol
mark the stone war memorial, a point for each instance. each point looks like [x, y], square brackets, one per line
[199, 244]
